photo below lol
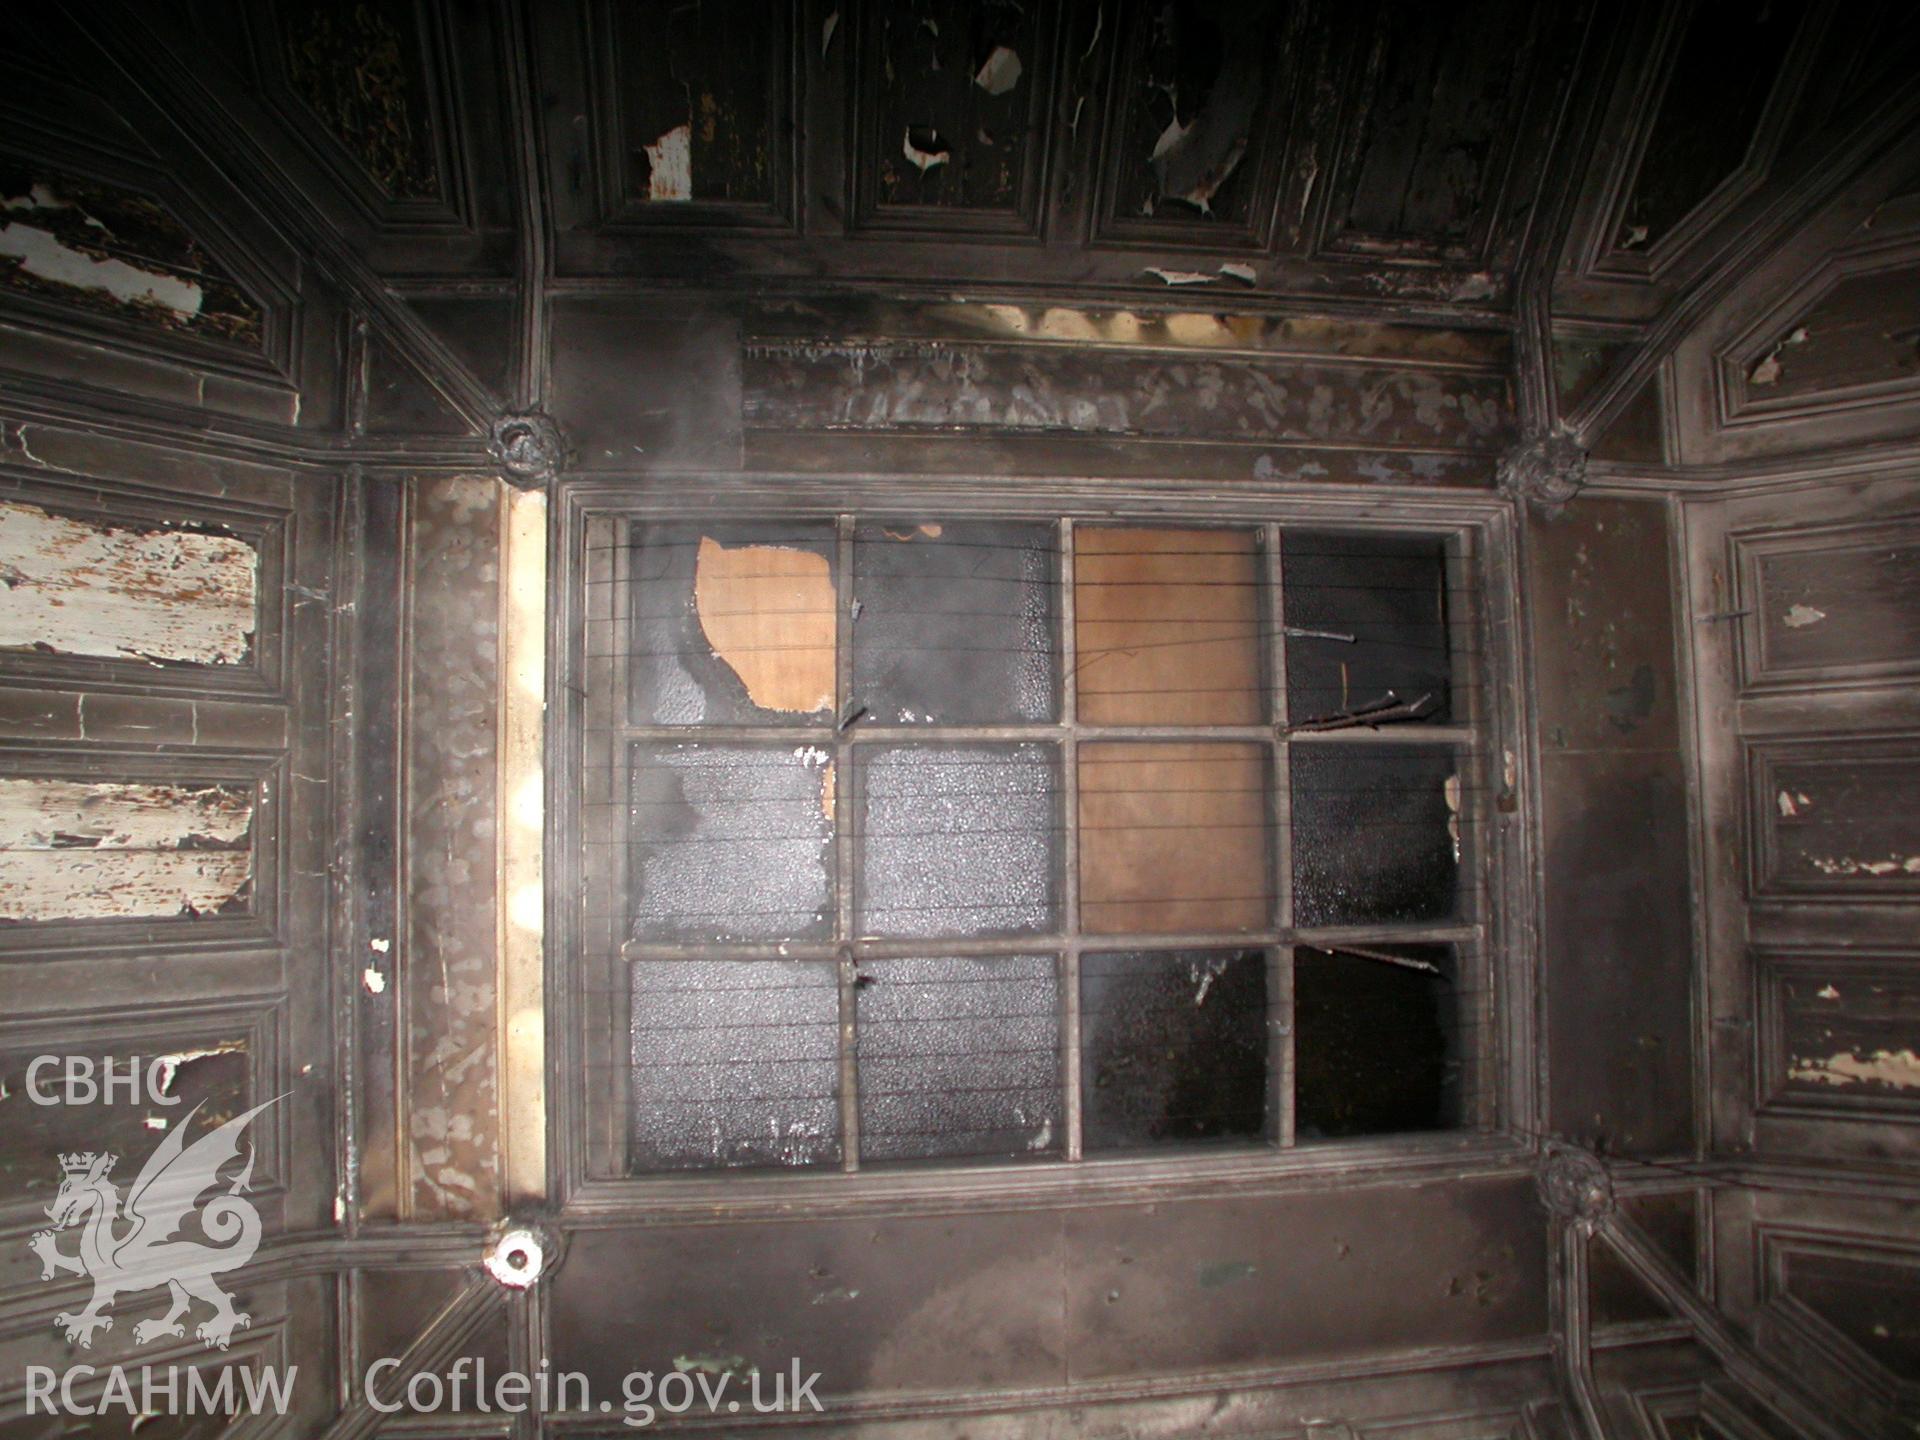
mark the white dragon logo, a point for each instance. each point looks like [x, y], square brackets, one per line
[146, 1256]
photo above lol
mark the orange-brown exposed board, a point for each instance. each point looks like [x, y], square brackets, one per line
[1167, 625]
[768, 612]
[1173, 837]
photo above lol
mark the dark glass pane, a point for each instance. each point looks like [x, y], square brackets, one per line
[734, 1063]
[959, 1057]
[958, 840]
[732, 624]
[729, 842]
[1376, 834]
[1375, 1045]
[1173, 1047]
[1389, 592]
[955, 624]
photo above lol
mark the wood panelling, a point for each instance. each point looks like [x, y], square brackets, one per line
[1828, 604]
[1837, 1034]
[113, 845]
[117, 587]
[952, 116]
[1836, 818]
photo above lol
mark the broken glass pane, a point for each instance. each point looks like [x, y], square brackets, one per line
[1377, 833]
[734, 1062]
[1167, 623]
[959, 1057]
[954, 623]
[732, 624]
[958, 840]
[1389, 594]
[1377, 1045]
[1173, 837]
[1173, 1047]
[730, 842]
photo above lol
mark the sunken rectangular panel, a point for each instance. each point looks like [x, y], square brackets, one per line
[1167, 627]
[1837, 818]
[116, 588]
[1174, 837]
[1377, 1045]
[729, 842]
[734, 1063]
[1837, 1034]
[955, 623]
[103, 847]
[693, 110]
[732, 624]
[959, 1058]
[224, 1054]
[1377, 834]
[1196, 123]
[1173, 1047]
[1835, 604]
[958, 840]
[1388, 593]
[1430, 127]
[952, 103]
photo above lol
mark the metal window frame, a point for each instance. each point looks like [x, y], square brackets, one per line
[1499, 1134]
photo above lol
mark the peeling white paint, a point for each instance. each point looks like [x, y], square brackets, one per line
[1180, 277]
[670, 165]
[1000, 72]
[170, 1065]
[375, 982]
[74, 850]
[1899, 1069]
[83, 588]
[921, 160]
[1848, 865]
[1235, 271]
[1793, 803]
[45, 256]
[1799, 617]
[1828, 992]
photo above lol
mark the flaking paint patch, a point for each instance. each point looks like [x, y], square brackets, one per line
[1798, 617]
[768, 611]
[1849, 865]
[670, 165]
[1899, 1069]
[45, 256]
[78, 587]
[72, 850]
[170, 1065]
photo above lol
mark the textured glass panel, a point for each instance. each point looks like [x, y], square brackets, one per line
[730, 842]
[1168, 627]
[1173, 1047]
[958, 840]
[1173, 837]
[1376, 834]
[732, 624]
[955, 623]
[1376, 1045]
[734, 1063]
[1389, 592]
[959, 1057]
